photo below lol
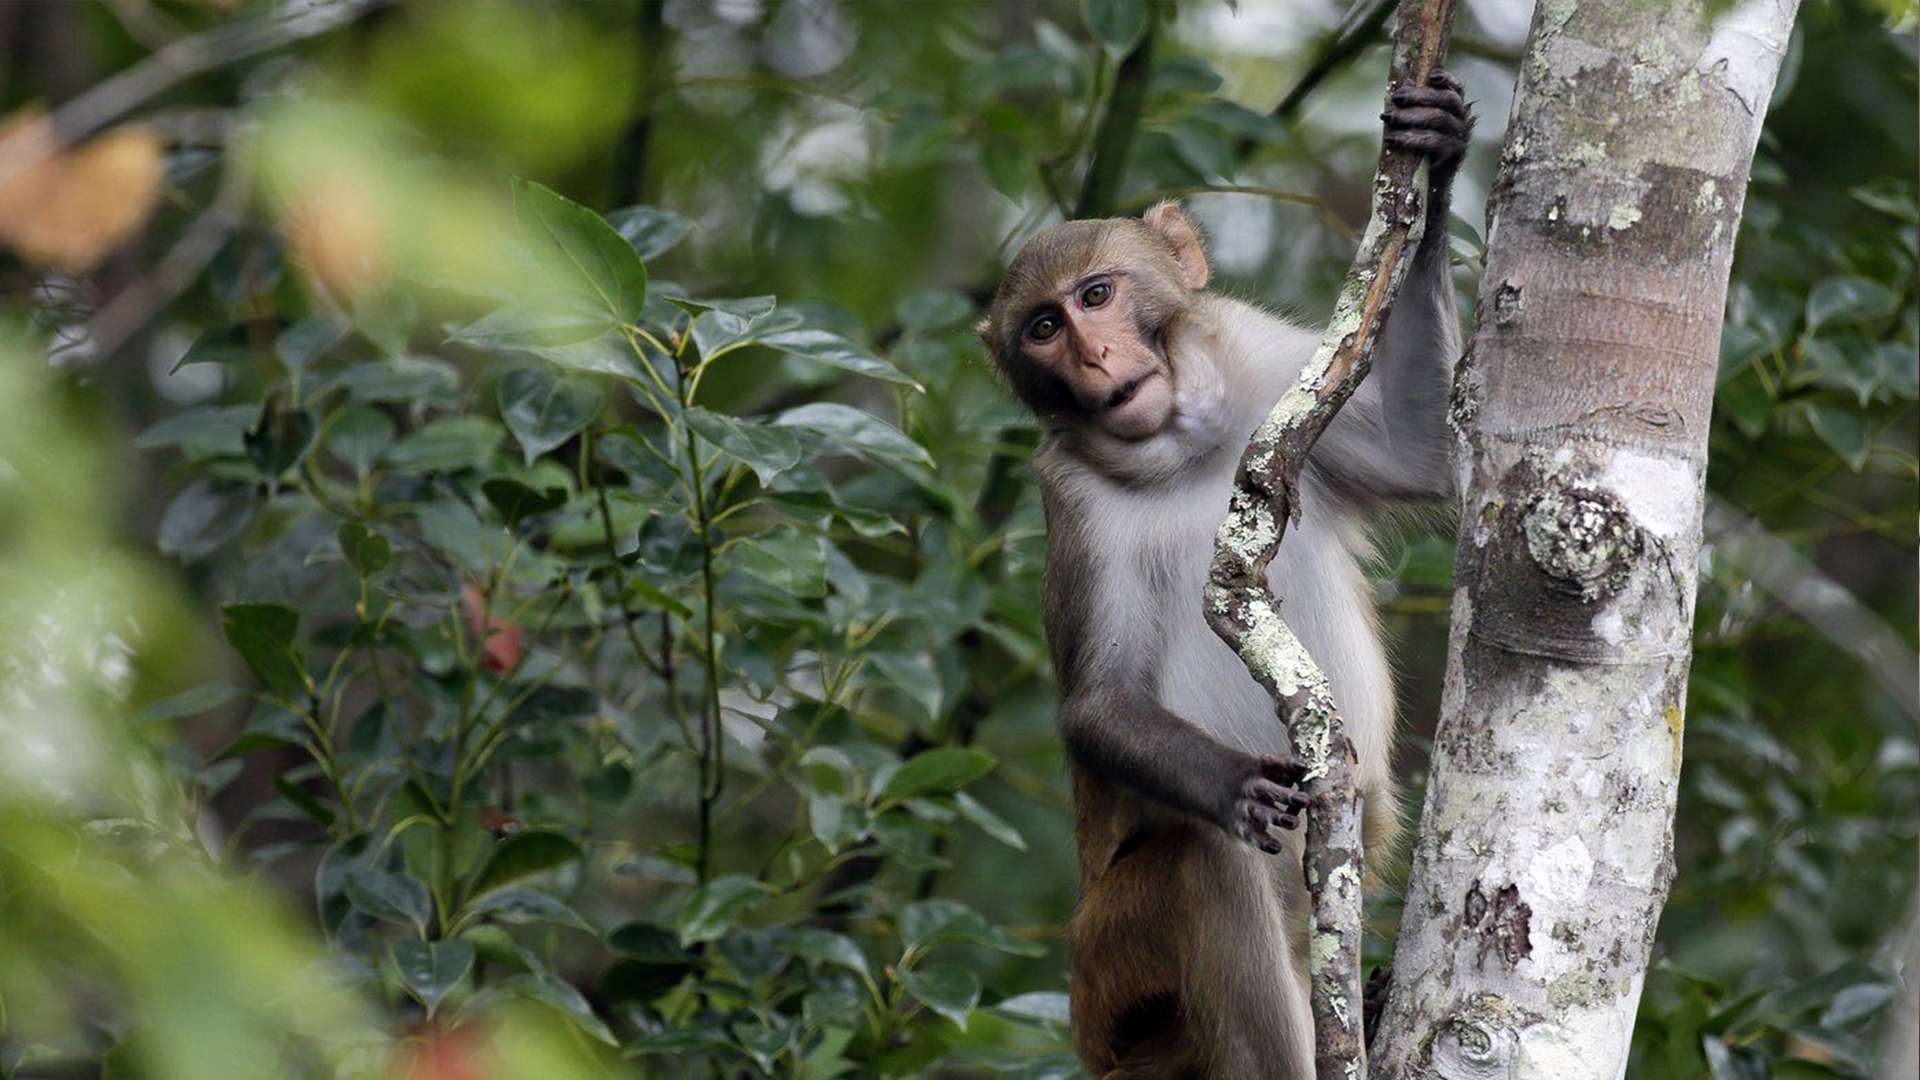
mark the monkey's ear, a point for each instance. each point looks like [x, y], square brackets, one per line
[984, 328]
[1171, 224]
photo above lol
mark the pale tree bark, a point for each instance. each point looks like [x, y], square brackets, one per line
[1546, 842]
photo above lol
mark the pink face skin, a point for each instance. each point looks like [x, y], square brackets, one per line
[1088, 337]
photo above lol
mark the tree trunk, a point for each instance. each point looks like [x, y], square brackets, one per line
[1546, 841]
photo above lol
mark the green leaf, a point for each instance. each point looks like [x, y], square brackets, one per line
[310, 339]
[652, 596]
[1117, 24]
[1848, 299]
[913, 676]
[785, 558]
[365, 550]
[204, 432]
[358, 436]
[280, 438]
[1046, 1006]
[827, 947]
[1844, 430]
[948, 989]
[652, 231]
[529, 851]
[836, 821]
[767, 450]
[448, 445]
[406, 380]
[517, 502]
[563, 998]
[575, 244]
[191, 702]
[828, 771]
[833, 350]
[431, 969]
[529, 905]
[988, 822]
[714, 908]
[941, 769]
[933, 310]
[858, 432]
[302, 800]
[928, 922]
[393, 897]
[204, 517]
[558, 319]
[263, 636]
[544, 409]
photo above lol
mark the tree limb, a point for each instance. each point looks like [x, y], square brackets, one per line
[1242, 611]
[1113, 140]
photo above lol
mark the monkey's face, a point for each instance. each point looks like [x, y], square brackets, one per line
[1090, 336]
[1079, 324]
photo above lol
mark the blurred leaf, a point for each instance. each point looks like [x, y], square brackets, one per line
[529, 851]
[302, 800]
[1845, 431]
[941, 769]
[1043, 1005]
[1848, 299]
[767, 450]
[714, 908]
[836, 351]
[358, 436]
[529, 905]
[859, 432]
[826, 947]
[192, 702]
[308, 340]
[1855, 1004]
[431, 969]
[202, 432]
[365, 550]
[785, 558]
[929, 922]
[652, 231]
[393, 897]
[459, 442]
[947, 989]
[988, 822]
[544, 409]
[932, 310]
[575, 244]
[1118, 25]
[204, 517]
[263, 636]
[280, 438]
[516, 501]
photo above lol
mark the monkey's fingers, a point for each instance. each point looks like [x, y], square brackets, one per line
[1426, 118]
[1448, 101]
[1259, 819]
[1444, 79]
[1289, 770]
[1431, 143]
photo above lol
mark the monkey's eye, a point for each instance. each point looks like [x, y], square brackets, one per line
[1096, 294]
[1044, 327]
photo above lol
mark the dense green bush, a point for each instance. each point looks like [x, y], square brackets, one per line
[631, 654]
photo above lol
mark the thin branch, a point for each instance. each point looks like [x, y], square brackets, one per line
[178, 61]
[1242, 611]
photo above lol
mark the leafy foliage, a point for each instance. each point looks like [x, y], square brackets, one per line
[637, 611]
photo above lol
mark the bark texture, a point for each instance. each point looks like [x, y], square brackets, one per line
[1546, 842]
[1241, 610]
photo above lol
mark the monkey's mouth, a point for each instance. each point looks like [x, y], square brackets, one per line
[1125, 392]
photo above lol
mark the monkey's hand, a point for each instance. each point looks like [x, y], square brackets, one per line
[1374, 1002]
[1434, 120]
[1268, 796]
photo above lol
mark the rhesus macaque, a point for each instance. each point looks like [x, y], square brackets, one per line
[1187, 943]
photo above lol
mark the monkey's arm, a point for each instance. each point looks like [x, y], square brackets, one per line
[1127, 736]
[1391, 442]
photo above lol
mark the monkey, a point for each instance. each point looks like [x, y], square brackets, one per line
[1186, 947]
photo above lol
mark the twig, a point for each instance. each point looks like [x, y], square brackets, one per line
[1243, 612]
[134, 305]
[180, 60]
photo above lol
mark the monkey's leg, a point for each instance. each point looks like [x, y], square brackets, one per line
[1252, 1019]
[1124, 944]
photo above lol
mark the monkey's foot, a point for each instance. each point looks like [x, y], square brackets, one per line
[1271, 797]
[1434, 120]
[1373, 1000]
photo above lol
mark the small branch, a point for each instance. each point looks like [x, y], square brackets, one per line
[1113, 140]
[631, 156]
[1242, 611]
[176, 62]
